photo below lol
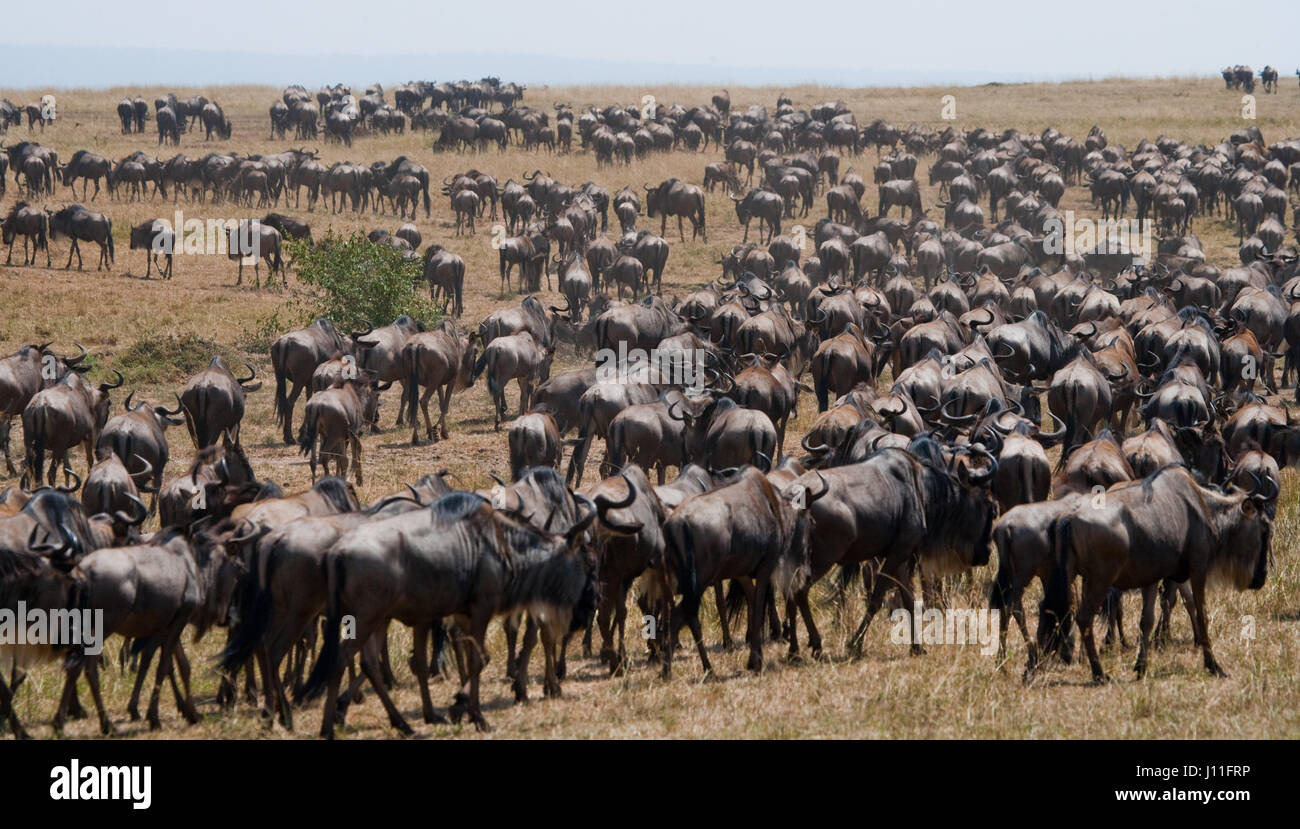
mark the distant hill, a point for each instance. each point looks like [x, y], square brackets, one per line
[43, 67]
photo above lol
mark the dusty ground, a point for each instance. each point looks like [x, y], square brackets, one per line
[951, 692]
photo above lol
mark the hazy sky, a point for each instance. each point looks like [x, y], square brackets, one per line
[1094, 38]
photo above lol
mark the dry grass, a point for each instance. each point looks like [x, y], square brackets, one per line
[951, 692]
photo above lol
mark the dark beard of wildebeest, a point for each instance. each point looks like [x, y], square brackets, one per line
[459, 558]
[80, 224]
[745, 529]
[38, 547]
[57, 418]
[284, 592]
[294, 356]
[33, 226]
[1165, 526]
[900, 509]
[213, 401]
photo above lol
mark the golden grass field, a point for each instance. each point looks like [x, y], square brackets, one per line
[950, 692]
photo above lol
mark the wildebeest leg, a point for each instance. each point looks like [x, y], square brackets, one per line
[1092, 595]
[550, 644]
[1148, 621]
[72, 670]
[510, 625]
[1168, 598]
[773, 619]
[370, 665]
[723, 621]
[893, 572]
[288, 406]
[5, 423]
[273, 689]
[385, 664]
[184, 704]
[520, 684]
[467, 700]
[757, 606]
[146, 659]
[420, 667]
[1202, 626]
[356, 457]
[7, 710]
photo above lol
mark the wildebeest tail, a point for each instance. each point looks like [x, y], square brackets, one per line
[253, 609]
[412, 355]
[479, 365]
[281, 383]
[111, 253]
[1056, 593]
[1001, 592]
[36, 453]
[307, 432]
[736, 601]
[330, 660]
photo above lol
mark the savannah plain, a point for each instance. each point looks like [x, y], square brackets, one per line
[159, 332]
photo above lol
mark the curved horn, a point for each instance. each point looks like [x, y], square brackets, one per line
[143, 512]
[955, 419]
[814, 450]
[74, 487]
[72, 361]
[118, 384]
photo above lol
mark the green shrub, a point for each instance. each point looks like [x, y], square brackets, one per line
[356, 283]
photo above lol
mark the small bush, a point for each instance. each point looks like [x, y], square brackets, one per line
[170, 359]
[356, 283]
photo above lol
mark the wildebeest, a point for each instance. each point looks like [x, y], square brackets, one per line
[294, 356]
[445, 273]
[59, 417]
[87, 166]
[249, 239]
[33, 225]
[334, 420]
[155, 236]
[677, 198]
[746, 529]
[459, 558]
[80, 224]
[1165, 526]
[514, 357]
[441, 360]
[213, 400]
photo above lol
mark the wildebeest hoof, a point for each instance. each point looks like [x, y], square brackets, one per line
[1101, 679]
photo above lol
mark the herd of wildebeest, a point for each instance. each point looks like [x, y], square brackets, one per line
[1157, 375]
